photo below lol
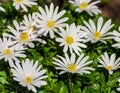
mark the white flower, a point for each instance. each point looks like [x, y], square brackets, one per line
[97, 32]
[22, 37]
[116, 37]
[118, 89]
[1, 8]
[72, 38]
[66, 64]
[23, 3]
[110, 63]
[29, 74]
[29, 24]
[9, 51]
[85, 5]
[50, 20]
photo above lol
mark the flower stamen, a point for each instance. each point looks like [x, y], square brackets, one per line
[50, 24]
[83, 5]
[28, 79]
[34, 28]
[24, 37]
[72, 67]
[7, 51]
[110, 67]
[19, 1]
[97, 35]
[69, 40]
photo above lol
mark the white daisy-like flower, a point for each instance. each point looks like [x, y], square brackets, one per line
[49, 20]
[22, 37]
[98, 32]
[110, 63]
[29, 74]
[116, 37]
[23, 4]
[10, 52]
[1, 8]
[70, 64]
[72, 38]
[86, 5]
[29, 24]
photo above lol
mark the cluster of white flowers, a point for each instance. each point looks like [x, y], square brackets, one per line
[73, 39]
[22, 36]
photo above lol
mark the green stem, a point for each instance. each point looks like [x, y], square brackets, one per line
[71, 84]
[26, 91]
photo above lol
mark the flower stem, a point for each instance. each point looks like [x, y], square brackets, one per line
[26, 91]
[71, 84]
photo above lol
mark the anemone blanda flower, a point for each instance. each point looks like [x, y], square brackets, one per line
[116, 37]
[86, 5]
[99, 32]
[29, 24]
[23, 4]
[49, 20]
[70, 64]
[72, 38]
[110, 63]
[1, 8]
[9, 51]
[22, 37]
[29, 74]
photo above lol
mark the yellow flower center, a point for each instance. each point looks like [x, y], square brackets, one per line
[34, 28]
[28, 79]
[50, 23]
[83, 5]
[97, 35]
[7, 51]
[24, 37]
[72, 67]
[19, 1]
[69, 40]
[109, 67]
